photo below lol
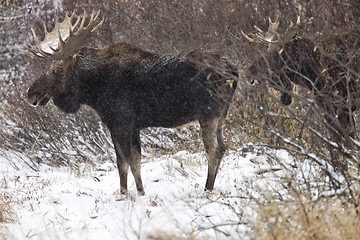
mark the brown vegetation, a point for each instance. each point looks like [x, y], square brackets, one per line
[257, 114]
[6, 211]
[326, 218]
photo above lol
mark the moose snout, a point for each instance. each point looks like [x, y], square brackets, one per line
[33, 101]
[251, 81]
[36, 100]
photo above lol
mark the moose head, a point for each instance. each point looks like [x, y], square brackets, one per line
[61, 46]
[264, 63]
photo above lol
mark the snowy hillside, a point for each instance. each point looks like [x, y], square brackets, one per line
[84, 203]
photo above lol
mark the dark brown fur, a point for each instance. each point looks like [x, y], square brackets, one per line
[133, 89]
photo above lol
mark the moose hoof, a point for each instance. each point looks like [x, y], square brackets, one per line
[141, 192]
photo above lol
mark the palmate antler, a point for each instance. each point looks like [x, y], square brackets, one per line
[260, 37]
[62, 41]
[269, 36]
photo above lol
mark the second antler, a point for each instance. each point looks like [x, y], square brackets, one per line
[62, 41]
[269, 36]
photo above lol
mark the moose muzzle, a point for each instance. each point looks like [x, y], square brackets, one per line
[35, 100]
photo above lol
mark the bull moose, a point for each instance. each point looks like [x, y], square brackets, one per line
[132, 89]
[328, 68]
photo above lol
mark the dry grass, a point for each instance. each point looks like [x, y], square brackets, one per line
[6, 209]
[304, 219]
[168, 236]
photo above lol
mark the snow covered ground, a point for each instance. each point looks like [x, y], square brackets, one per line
[84, 202]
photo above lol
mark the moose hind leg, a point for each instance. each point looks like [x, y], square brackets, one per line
[220, 137]
[212, 137]
[135, 162]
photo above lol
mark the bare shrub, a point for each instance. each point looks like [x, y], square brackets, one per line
[167, 236]
[301, 128]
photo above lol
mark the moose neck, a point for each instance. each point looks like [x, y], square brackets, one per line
[93, 87]
[103, 79]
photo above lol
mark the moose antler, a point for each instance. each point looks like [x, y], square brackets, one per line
[268, 37]
[62, 41]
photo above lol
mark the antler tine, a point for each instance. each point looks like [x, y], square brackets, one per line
[72, 14]
[32, 51]
[258, 29]
[45, 28]
[61, 42]
[95, 19]
[291, 31]
[35, 37]
[273, 26]
[29, 51]
[82, 22]
[91, 19]
[76, 23]
[97, 15]
[97, 26]
[37, 51]
[247, 37]
[56, 22]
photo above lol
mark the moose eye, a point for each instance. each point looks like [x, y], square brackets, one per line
[253, 70]
[58, 71]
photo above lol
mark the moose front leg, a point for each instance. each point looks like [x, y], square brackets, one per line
[122, 149]
[213, 141]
